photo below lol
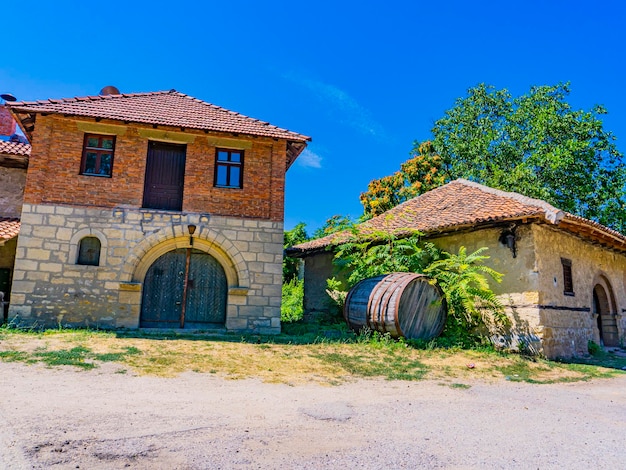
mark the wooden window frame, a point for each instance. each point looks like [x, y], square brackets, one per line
[99, 151]
[229, 165]
[83, 258]
[568, 279]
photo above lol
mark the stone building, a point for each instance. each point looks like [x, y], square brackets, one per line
[564, 276]
[150, 210]
[13, 163]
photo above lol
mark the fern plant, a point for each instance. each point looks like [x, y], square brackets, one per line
[463, 279]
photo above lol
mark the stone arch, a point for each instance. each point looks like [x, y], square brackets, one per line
[150, 248]
[604, 311]
[88, 232]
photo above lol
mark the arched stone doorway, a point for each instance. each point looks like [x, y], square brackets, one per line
[604, 312]
[184, 288]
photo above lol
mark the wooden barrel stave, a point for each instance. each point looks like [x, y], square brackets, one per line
[401, 304]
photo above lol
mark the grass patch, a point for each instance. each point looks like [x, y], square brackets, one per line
[322, 353]
[602, 358]
[13, 356]
[459, 386]
[65, 357]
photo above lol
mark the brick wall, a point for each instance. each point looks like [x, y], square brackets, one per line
[12, 182]
[54, 171]
[7, 123]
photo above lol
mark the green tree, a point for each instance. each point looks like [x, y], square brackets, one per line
[336, 223]
[537, 145]
[419, 174]
[291, 266]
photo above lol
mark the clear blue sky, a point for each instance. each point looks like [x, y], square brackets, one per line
[363, 78]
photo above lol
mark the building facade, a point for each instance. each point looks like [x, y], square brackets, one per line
[564, 280]
[13, 163]
[151, 210]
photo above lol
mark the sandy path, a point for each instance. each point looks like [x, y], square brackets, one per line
[63, 418]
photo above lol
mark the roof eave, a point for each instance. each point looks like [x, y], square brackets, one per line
[594, 233]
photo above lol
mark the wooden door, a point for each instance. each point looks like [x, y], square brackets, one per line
[5, 282]
[5, 288]
[161, 306]
[165, 176]
[207, 291]
[607, 321]
[164, 291]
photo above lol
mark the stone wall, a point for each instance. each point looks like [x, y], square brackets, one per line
[543, 319]
[12, 182]
[7, 253]
[569, 320]
[49, 288]
[520, 277]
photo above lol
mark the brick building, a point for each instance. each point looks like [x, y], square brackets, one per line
[151, 210]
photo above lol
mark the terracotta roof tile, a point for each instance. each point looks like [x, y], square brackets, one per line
[167, 108]
[9, 228]
[14, 148]
[459, 204]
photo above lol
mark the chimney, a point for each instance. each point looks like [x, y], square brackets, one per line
[109, 90]
[7, 123]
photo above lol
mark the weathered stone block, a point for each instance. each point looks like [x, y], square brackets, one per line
[50, 267]
[37, 254]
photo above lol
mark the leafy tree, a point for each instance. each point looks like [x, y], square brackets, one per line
[419, 174]
[379, 253]
[537, 145]
[336, 223]
[294, 236]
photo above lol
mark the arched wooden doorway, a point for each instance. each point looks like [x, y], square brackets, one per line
[604, 309]
[184, 288]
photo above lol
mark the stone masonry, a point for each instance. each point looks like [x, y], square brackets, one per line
[50, 289]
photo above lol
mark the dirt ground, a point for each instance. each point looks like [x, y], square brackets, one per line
[64, 418]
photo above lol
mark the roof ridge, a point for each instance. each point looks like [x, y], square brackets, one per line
[163, 107]
[552, 214]
[91, 98]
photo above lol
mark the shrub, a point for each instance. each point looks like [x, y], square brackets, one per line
[292, 308]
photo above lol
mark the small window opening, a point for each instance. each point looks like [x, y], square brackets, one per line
[98, 153]
[568, 282]
[229, 168]
[89, 251]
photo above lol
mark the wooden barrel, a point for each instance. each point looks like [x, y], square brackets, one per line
[401, 304]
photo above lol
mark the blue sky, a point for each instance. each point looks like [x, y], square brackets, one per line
[363, 78]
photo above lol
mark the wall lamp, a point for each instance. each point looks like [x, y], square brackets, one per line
[192, 230]
[508, 238]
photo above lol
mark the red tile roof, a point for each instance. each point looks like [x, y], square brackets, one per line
[9, 228]
[166, 108]
[14, 148]
[462, 204]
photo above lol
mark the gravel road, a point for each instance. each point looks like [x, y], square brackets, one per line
[64, 418]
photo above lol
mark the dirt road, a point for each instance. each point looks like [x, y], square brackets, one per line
[65, 418]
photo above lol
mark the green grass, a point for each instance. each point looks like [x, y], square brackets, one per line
[65, 357]
[520, 370]
[327, 353]
[603, 359]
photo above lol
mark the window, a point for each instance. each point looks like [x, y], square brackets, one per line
[98, 155]
[89, 251]
[228, 168]
[568, 283]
